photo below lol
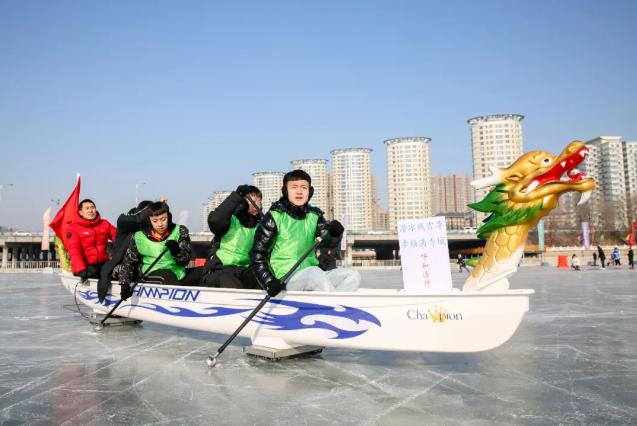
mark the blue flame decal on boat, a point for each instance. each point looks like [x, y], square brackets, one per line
[299, 319]
[304, 310]
[89, 296]
[211, 311]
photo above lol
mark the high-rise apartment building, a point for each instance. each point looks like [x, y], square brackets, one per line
[270, 184]
[317, 169]
[380, 217]
[450, 196]
[408, 179]
[605, 164]
[630, 176]
[496, 141]
[352, 188]
[451, 193]
[212, 203]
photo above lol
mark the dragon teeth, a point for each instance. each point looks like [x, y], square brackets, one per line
[563, 164]
[532, 186]
[583, 153]
[584, 197]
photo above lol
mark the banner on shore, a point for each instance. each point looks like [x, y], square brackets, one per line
[585, 232]
[540, 234]
[424, 254]
[46, 219]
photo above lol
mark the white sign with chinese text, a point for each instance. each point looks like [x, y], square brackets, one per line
[424, 254]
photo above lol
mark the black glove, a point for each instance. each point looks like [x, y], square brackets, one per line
[173, 246]
[125, 291]
[274, 287]
[243, 190]
[335, 229]
[83, 274]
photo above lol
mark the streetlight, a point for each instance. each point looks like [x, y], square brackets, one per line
[2, 185]
[137, 185]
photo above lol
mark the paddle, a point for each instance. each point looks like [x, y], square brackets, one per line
[256, 207]
[101, 324]
[212, 360]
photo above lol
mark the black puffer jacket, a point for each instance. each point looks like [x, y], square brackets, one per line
[219, 223]
[266, 235]
[132, 262]
[127, 225]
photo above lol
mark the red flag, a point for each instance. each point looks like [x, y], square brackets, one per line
[67, 214]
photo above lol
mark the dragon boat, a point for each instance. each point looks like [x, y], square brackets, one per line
[366, 319]
[481, 316]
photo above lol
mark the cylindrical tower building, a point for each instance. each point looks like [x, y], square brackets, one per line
[270, 184]
[352, 187]
[496, 141]
[408, 179]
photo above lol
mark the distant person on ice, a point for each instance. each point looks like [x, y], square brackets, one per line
[602, 257]
[286, 231]
[87, 238]
[233, 223]
[575, 262]
[159, 235]
[616, 256]
[462, 263]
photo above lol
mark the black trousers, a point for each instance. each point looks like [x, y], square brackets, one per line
[231, 277]
[168, 277]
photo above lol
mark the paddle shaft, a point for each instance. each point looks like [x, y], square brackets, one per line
[135, 285]
[251, 201]
[265, 300]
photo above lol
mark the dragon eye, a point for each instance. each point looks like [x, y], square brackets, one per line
[547, 161]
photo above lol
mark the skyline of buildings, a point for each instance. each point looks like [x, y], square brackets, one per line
[349, 191]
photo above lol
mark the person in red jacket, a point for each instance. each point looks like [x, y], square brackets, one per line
[86, 240]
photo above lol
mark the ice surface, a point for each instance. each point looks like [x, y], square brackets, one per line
[573, 360]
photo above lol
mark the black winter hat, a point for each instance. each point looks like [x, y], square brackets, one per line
[297, 175]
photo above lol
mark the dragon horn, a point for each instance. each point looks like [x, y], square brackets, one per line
[584, 197]
[494, 179]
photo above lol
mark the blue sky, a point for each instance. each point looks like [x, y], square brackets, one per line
[193, 97]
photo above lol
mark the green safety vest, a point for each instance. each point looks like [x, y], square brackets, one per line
[235, 245]
[150, 250]
[294, 237]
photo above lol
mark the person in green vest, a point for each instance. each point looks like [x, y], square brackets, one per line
[233, 222]
[163, 239]
[287, 231]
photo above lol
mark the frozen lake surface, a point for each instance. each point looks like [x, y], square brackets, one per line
[573, 360]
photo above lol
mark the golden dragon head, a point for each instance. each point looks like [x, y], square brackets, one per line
[528, 189]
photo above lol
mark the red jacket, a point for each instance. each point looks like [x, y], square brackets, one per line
[87, 240]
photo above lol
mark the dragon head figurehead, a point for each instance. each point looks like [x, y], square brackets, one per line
[528, 189]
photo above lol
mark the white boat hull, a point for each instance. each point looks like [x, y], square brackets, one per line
[367, 319]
